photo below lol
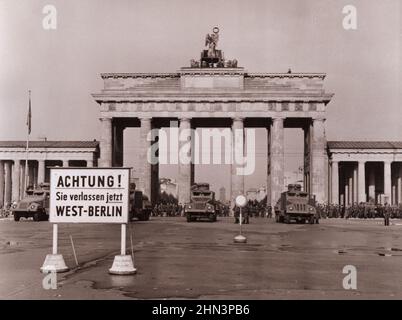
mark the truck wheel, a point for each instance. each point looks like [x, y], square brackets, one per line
[211, 218]
[287, 219]
[312, 220]
[189, 218]
[36, 216]
[317, 221]
[17, 217]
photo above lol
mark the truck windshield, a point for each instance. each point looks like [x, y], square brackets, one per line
[299, 195]
[201, 194]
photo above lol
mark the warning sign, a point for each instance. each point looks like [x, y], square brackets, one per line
[89, 195]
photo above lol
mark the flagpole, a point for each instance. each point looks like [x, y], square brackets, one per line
[27, 146]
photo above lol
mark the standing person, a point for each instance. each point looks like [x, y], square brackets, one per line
[387, 213]
[236, 211]
[269, 212]
[246, 211]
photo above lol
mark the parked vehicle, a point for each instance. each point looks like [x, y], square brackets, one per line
[297, 205]
[35, 204]
[202, 203]
[140, 206]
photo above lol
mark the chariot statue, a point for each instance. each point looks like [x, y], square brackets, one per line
[211, 40]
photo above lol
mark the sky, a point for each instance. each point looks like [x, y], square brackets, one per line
[62, 67]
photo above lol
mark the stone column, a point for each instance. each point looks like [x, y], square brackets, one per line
[393, 195]
[335, 182]
[346, 195]
[106, 143]
[155, 187]
[22, 179]
[387, 180]
[65, 163]
[371, 188]
[362, 182]
[41, 171]
[268, 182]
[1, 183]
[7, 182]
[90, 163]
[277, 160]
[237, 180]
[399, 184]
[16, 180]
[350, 187]
[318, 160]
[185, 143]
[307, 158]
[355, 184]
[144, 166]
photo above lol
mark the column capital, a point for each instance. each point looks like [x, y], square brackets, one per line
[106, 119]
[238, 119]
[184, 119]
[145, 118]
[278, 118]
[362, 162]
[318, 118]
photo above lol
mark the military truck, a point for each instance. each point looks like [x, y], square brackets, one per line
[35, 204]
[140, 205]
[202, 203]
[297, 205]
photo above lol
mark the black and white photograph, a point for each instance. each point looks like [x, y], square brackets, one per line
[214, 150]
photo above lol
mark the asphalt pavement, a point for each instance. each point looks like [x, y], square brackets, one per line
[199, 260]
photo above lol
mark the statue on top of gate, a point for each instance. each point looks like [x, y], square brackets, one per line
[213, 58]
[211, 40]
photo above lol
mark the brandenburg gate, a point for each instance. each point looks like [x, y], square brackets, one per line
[214, 92]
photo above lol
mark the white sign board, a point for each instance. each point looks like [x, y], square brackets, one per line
[89, 195]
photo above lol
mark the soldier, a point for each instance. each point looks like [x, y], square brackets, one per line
[236, 211]
[246, 211]
[387, 213]
[269, 212]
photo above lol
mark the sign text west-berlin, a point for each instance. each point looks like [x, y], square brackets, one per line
[89, 195]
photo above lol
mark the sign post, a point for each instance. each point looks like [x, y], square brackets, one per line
[241, 202]
[89, 195]
[54, 262]
[123, 263]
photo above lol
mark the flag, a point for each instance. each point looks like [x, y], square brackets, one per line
[29, 116]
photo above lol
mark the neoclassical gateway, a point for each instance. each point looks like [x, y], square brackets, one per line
[214, 92]
[217, 97]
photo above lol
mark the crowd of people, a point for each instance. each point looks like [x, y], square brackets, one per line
[169, 209]
[258, 209]
[359, 210]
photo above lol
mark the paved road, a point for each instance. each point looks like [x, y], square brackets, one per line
[176, 259]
